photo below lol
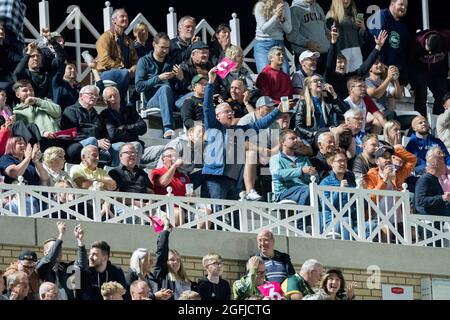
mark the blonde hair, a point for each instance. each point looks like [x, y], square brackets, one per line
[309, 101]
[140, 26]
[337, 11]
[112, 287]
[388, 127]
[181, 275]
[189, 295]
[210, 256]
[232, 51]
[267, 8]
[52, 154]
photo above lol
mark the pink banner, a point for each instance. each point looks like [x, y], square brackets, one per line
[68, 133]
[224, 67]
[272, 290]
[157, 224]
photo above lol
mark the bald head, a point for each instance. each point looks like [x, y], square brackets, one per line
[139, 290]
[266, 243]
[48, 291]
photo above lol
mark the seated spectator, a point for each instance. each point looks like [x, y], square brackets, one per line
[26, 266]
[112, 290]
[213, 286]
[247, 286]
[421, 141]
[366, 160]
[220, 42]
[100, 270]
[316, 112]
[17, 286]
[273, 21]
[48, 291]
[169, 270]
[290, 173]
[156, 77]
[180, 46]
[122, 124]
[349, 136]
[141, 280]
[326, 144]
[278, 264]
[169, 176]
[332, 287]
[384, 87]
[52, 270]
[309, 30]
[236, 54]
[142, 44]
[392, 133]
[358, 99]
[4, 108]
[87, 172]
[272, 81]
[301, 284]
[443, 122]
[192, 108]
[308, 67]
[336, 69]
[90, 129]
[117, 57]
[239, 99]
[30, 68]
[430, 198]
[53, 161]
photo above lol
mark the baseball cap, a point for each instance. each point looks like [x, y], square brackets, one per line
[382, 150]
[308, 54]
[55, 34]
[197, 79]
[28, 255]
[199, 45]
[264, 101]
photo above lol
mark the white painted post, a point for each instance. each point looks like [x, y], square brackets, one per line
[44, 15]
[171, 207]
[314, 203]
[243, 223]
[78, 40]
[22, 196]
[406, 212]
[172, 25]
[107, 13]
[360, 218]
[235, 30]
[425, 15]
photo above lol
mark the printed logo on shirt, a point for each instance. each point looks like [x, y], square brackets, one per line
[394, 40]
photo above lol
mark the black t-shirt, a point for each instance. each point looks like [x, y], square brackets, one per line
[211, 291]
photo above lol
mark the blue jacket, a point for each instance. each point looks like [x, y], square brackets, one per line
[147, 75]
[287, 173]
[419, 147]
[217, 134]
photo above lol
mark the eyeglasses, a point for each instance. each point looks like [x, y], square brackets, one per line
[216, 263]
[261, 273]
[227, 111]
[130, 153]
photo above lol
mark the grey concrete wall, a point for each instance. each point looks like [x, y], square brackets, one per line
[236, 246]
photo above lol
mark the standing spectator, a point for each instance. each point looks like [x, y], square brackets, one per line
[366, 160]
[309, 30]
[443, 122]
[308, 67]
[430, 64]
[142, 45]
[326, 144]
[8, 60]
[421, 141]
[332, 287]
[180, 46]
[117, 57]
[90, 128]
[273, 20]
[316, 112]
[212, 286]
[278, 264]
[123, 124]
[220, 42]
[396, 51]
[247, 286]
[272, 81]
[26, 264]
[155, 77]
[301, 284]
[343, 15]
[290, 173]
[429, 196]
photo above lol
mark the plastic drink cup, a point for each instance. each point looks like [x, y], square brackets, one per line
[87, 56]
[189, 188]
[285, 104]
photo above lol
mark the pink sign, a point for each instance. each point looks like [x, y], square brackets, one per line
[157, 223]
[68, 133]
[272, 290]
[224, 67]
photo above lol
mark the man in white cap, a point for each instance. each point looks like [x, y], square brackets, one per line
[308, 66]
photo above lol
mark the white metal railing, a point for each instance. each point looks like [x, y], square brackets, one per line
[353, 213]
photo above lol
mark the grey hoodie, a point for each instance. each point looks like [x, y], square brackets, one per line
[308, 23]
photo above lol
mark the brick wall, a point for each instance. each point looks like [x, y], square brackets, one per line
[234, 269]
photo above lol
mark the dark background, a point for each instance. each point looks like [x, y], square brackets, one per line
[214, 11]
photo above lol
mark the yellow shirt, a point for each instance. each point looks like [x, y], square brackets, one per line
[82, 171]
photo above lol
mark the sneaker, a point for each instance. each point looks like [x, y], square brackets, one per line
[168, 134]
[253, 196]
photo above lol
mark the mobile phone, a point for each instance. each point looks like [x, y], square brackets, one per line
[360, 16]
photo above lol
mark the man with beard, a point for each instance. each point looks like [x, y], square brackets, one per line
[421, 141]
[180, 46]
[308, 66]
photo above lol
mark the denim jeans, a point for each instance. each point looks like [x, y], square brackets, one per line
[104, 155]
[164, 99]
[122, 78]
[261, 50]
